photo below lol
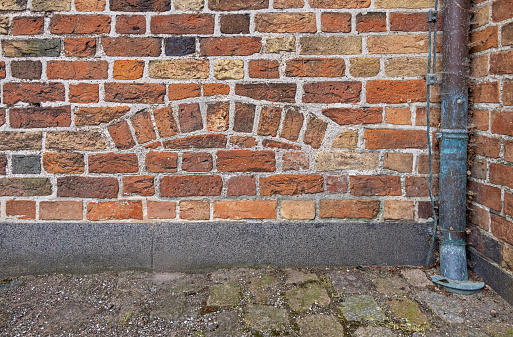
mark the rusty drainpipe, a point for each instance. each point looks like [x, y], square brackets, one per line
[453, 149]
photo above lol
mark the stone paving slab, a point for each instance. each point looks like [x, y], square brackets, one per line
[240, 302]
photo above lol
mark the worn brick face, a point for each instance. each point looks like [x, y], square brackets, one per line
[245, 209]
[290, 184]
[354, 209]
[191, 185]
[79, 24]
[114, 210]
[45, 117]
[245, 161]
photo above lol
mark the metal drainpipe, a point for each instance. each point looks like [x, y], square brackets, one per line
[453, 148]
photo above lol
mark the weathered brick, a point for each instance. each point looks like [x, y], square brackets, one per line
[398, 210]
[26, 164]
[410, 22]
[20, 209]
[315, 67]
[332, 92]
[244, 117]
[160, 162]
[216, 89]
[479, 65]
[90, 5]
[349, 209]
[27, 70]
[269, 121]
[13, 5]
[347, 116]
[282, 4]
[295, 161]
[346, 160]
[121, 135]
[337, 184]
[419, 186]
[364, 66]
[477, 216]
[75, 140]
[245, 161]
[113, 163]
[143, 127]
[395, 139]
[77, 70]
[501, 175]
[197, 162]
[285, 23]
[235, 24]
[507, 34]
[237, 5]
[161, 209]
[291, 184]
[25, 187]
[264, 69]
[83, 93]
[63, 163]
[484, 39]
[190, 118]
[138, 185]
[194, 210]
[16, 141]
[165, 122]
[183, 91]
[298, 209]
[485, 146]
[218, 115]
[128, 69]
[179, 69]
[434, 116]
[191, 185]
[241, 185]
[507, 257]
[2, 116]
[381, 91]
[508, 203]
[507, 93]
[397, 44]
[502, 10]
[485, 92]
[332, 45]
[198, 142]
[230, 46]
[371, 22]
[54, 5]
[179, 46]
[501, 63]
[31, 48]
[27, 25]
[182, 24]
[398, 116]
[148, 93]
[130, 24]
[336, 22]
[502, 228]
[33, 92]
[508, 150]
[131, 46]
[140, 6]
[99, 115]
[40, 117]
[478, 168]
[393, 4]
[336, 4]
[292, 125]
[188, 5]
[347, 139]
[114, 210]
[400, 162]
[87, 187]
[502, 122]
[80, 47]
[79, 24]
[245, 209]
[228, 69]
[279, 44]
[375, 185]
[60, 210]
[274, 92]
[406, 66]
[314, 133]
[274, 144]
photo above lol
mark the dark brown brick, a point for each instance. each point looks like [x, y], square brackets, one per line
[131, 46]
[237, 5]
[182, 24]
[315, 130]
[274, 92]
[197, 162]
[375, 185]
[140, 5]
[25, 187]
[198, 142]
[113, 163]
[189, 116]
[27, 70]
[87, 187]
[244, 117]
[235, 24]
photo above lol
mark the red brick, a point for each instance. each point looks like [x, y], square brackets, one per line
[230, 46]
[190, 118]
[485, 92]
[63, 163]
[121, 135]
[479, 216]
[501, 175]
[508, 150]
[138, 185]
[3, 164]
[423, 165]
[40, 117]
[160, 162]
[486, 146]
[140, 6]
[502, 228]
[285, 23]
[61, 210]
[410, 22]
[295, 161]
[418, 186]
[292, 125]
[114, 210]
[336, 22]
[508, 203]
[282, 4]
[99, 115]
[77, 70]
[128, 69]
[501, 63]
[434, 116]
[264, 69]
[507, 91]
[182, 24]
[502, 122]
[332, 92]
[83, 93]
[80, 47]
[291, 184]
[371, 22]
[380, 91]
[165, 122]
[314, 133]
[131, 46]
[194, 210]
[25, 187]
[143, 127]
[79, 24]
[485, 195]
[347, 116]
[274, 92]
[191, 185]
[235, 24]
[146, 93]
[336, 184]
[244, 117]
[33, 92]
[237, 5]
[375, 185]
[130, 24]
[243, 141]
[20, 209]
[27, 70]
[90, 5]
[484, 39]
[28, 25]
[245, 161]
[113, 163]
[245, 209]
[399, 116]
[274, 144]
[352, 209]
[199, 142]
[395, 139]
[161, 209]
[183, 91]
[197, 162]
[502, 10]
[241, 185]
[216, 89]
[315, 67]
[269, 121]
[87, 187]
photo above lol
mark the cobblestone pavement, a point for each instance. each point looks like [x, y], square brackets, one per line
[269, 301]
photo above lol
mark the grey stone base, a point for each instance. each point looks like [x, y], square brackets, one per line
[31, 248]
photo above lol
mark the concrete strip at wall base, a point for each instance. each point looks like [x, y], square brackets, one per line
[28, 248]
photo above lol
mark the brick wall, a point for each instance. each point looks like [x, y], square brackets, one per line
[491, 150]
[159, 110]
